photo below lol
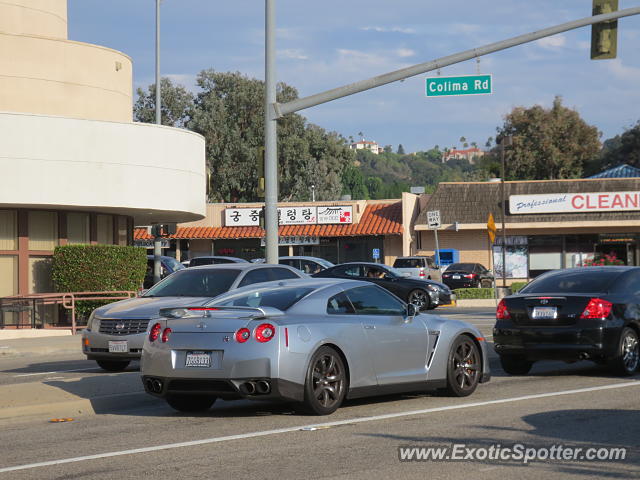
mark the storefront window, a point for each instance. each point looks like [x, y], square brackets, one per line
[122, 230]
[579, 249]
[40, 275]
[43, 230]
[8, 230]
[8, 275]
[78, 228]
[545, 253]
[105, 229]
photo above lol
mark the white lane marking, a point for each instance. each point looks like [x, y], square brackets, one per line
[50, 373]
[316, 426]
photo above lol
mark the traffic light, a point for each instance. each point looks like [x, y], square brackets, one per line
[604, 36]
[260, 189]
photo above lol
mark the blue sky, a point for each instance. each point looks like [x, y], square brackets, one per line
[322, 45]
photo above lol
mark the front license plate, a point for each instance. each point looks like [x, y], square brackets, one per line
[456, 277]
[544, 313]
[120, 346]
[198, 359]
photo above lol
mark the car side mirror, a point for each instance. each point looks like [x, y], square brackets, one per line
[412, 310]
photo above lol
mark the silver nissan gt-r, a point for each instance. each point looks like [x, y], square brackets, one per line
[311, 341]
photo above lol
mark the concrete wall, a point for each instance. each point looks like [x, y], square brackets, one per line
[34, 17]
[153, 173]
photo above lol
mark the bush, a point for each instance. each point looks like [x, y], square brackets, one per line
[97, 268]
[517, 286]
[475, 293]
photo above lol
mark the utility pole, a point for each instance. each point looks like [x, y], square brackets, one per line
[270, 136]
[157, 240]
[504, 143]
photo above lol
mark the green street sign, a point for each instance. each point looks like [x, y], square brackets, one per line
[464, 85]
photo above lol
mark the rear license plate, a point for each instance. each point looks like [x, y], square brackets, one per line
[456, 277]
[118, 347]
[198, 359]
[544, 313]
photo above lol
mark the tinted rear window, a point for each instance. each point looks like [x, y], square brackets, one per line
[194, 283]
[408, 263]
[573, 281]
[465, 267]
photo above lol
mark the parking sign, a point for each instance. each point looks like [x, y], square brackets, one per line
[376, 253]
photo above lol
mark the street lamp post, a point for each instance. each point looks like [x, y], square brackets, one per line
[157, 246]
[313, 193]
[504, 143]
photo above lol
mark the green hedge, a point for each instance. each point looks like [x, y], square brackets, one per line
[516, 286]
[464, 293]
[97, 268]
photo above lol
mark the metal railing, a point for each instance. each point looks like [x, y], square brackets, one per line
[30, 311]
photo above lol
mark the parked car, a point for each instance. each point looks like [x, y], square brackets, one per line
[115, 332]
[168, 265]
[588, 313]
[425, 294]
[419, 267]
[308, 265]
[467, 275]
[214, 260]
[314, 342]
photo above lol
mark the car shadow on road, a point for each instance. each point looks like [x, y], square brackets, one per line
[548, 368]
[65, 366]
[592, 428]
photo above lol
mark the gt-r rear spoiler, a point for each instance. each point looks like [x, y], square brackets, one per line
[199, 311]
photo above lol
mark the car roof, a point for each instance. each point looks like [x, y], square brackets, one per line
[414, 256]
[316, 283]
[237, 259]
[242, 266]
[368, 264]
[302, 257]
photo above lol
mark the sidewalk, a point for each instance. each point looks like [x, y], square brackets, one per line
[65, 344]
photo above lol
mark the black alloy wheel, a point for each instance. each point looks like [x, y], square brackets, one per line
[515, 365]
[190, 403]
[420, 298]
[113, 365]
[627, 360]
[326, 383]
[464, 367]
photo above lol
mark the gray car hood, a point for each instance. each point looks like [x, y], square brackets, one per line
[146, 307]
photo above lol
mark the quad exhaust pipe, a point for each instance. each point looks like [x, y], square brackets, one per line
[257, 387]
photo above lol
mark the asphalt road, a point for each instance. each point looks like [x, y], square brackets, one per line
[578, 405]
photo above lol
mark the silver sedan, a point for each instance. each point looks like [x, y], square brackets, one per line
[314, 342]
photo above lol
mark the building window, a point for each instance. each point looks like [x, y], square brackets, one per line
[78, 228]
[43, 230]
[8, 275]
[122, 230]
[8, 230]
[105, 229]
[40, 275]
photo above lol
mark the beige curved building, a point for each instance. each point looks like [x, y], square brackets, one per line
[74, 168]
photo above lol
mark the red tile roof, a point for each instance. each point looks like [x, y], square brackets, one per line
[377, 219]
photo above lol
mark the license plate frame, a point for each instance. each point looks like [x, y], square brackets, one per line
[200, 359]
[118, 346]
[544, 313]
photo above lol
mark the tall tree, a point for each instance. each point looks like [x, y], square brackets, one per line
[400, 149]
[548, 143]
[353, 183]
[177, 104]
[623, 148]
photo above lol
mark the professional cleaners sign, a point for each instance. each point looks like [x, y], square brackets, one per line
[575, 202]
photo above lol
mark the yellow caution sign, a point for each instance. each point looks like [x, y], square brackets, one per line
[491, 228]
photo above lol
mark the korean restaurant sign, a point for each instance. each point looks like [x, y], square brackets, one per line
[294, 240]
[574, 202]
[249, 217]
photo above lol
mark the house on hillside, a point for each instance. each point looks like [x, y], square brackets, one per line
[373, 147]
[469, 154]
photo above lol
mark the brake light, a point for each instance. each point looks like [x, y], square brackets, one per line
[501, 312]
[154, 333]
[469, 275]
[597, 308]
[165, 335]
[243, 335]
[265, 332]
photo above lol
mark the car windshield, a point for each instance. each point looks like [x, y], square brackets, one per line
[324, 263]
[464, 267]
[572, 281]
[281, 298]
[408, 263]
[173, 264]
[203, 282]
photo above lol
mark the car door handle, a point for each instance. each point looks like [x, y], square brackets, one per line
[370, 327]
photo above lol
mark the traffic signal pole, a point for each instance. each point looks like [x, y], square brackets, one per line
[274, 110]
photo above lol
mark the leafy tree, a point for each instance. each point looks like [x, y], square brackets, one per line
[387, 149]
[548, 143]
[463, 140]
[353, 183]
[400, 150]
[177, 104]
[489, 142]
[376, 187]
[623, 148]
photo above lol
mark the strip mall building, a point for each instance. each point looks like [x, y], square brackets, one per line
[340, 231]
[549, 224]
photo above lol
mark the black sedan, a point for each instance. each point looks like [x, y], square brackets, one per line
[425, 294]
[588, 313]
[467, 275]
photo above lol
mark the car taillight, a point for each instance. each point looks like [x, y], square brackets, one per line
[154, 333]
[501, 312]
[469, 275]
[265, 332]
[243, 335]
[597, 308]
[165, 335]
